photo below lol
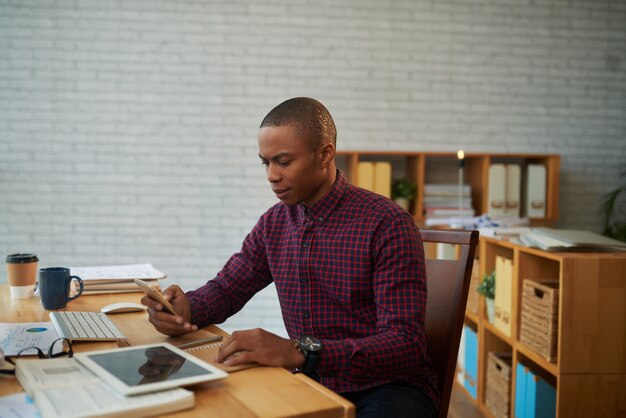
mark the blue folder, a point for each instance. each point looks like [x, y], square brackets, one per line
[471, 361]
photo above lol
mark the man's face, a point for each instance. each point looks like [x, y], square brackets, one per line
[295, 172]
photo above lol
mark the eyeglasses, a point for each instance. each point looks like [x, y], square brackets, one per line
[59, 348]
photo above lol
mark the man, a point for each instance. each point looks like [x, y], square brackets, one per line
[348, 266]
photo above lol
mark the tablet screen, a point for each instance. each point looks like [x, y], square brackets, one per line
[148, 368]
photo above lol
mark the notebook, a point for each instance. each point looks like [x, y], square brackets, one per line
[85, 326]
[206, 352]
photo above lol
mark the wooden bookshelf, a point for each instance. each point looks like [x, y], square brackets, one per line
[442, 167]
[589, 373]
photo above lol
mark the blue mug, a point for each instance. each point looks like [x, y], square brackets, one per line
[54, 287]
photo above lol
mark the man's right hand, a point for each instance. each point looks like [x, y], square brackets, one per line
[167, 323]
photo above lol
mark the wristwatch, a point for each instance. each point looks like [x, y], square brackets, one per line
[311, 348]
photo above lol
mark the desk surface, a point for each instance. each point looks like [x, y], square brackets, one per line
[255, 392]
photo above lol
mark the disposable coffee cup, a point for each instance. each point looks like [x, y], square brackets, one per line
[22, 275]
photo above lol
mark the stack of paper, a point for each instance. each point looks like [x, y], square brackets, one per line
[116, 279]
[551, 239]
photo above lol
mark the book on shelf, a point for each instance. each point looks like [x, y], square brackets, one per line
[116, 279]
[446, 189]
[448, 211]
[64, 388]
[442, 201]
[467, 222]
[446, 200]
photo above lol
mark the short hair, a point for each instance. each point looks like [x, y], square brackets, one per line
[310, 118]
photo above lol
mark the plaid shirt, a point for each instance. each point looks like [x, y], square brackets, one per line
[350, 271]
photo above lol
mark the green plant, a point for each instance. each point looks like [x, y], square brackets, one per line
[403, 188]
[487, 287]
[612, 204]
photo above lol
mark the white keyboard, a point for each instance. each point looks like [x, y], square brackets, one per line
[85, 326]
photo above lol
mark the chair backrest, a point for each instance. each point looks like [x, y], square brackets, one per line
[448, 285]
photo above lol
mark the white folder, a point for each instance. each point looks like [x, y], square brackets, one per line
[503, 296]
[513, 190]
[536, 191]
[497, 184]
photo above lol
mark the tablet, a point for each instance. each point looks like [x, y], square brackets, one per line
[148, 368]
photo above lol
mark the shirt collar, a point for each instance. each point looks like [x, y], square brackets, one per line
[323, 208]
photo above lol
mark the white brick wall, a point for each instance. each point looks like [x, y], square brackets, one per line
[128, 129]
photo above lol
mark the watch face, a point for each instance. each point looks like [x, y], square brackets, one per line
[310, 344]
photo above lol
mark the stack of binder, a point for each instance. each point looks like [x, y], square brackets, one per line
[116, 279]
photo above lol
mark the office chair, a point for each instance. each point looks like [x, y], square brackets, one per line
[448, 285]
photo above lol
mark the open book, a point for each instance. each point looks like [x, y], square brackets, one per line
[64, 388]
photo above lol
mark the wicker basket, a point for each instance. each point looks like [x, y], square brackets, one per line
[498, 385]
[540, 317]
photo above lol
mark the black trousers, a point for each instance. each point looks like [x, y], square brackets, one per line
[392, 400]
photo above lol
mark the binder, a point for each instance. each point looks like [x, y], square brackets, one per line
[520, 391]
[536, 191]
[534, 397]
[365, 175]
[513, 190]
[497, 192]
[471, 361]
[382, 178]
[504, 296]
[540, 397]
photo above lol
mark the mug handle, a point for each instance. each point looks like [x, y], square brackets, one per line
[80, 291]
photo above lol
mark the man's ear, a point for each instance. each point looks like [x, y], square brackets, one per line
[328, 154]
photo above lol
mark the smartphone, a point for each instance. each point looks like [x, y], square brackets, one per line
[155, 293]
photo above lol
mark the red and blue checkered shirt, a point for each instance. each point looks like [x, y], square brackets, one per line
[350, 271]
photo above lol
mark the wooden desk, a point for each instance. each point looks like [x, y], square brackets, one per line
[256, 392]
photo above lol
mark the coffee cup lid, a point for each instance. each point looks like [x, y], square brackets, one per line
[21, 258]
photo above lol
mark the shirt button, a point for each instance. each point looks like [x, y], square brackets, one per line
[303, 280]
[306, 314]
[305, 245]
[321, 218]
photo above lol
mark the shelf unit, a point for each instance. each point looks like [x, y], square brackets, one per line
[590, 371]
[442, 167]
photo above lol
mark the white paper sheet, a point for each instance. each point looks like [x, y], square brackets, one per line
[14, 337]
[19, 405]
